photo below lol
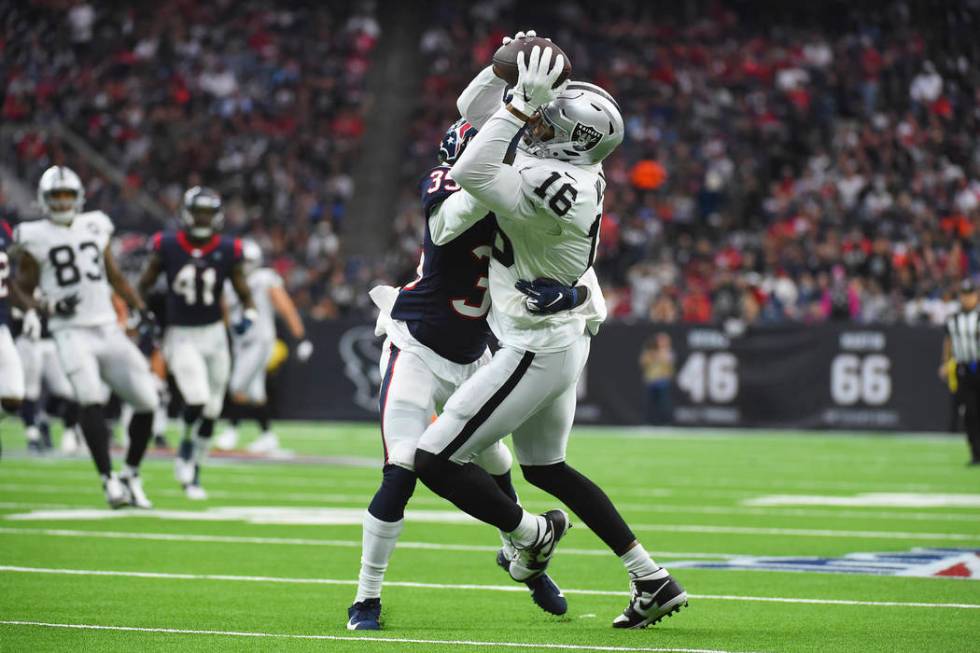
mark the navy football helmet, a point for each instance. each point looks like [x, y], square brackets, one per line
[455, 141]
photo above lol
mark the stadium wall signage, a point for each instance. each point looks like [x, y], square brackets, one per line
[822, 377]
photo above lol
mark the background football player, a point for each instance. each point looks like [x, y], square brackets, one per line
[67, 255]
[11, 370]
[196, 261]
[252, 350]
[43, 370]
[549, 208]
[437, 337]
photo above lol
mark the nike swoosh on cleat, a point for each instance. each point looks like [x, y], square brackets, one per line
[646, 605]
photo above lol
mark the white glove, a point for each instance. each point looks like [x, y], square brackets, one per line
[304, 350]
[31, 326]
[520, 35]
[535, 80]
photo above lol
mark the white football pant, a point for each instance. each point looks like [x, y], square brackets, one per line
[198, 358]
[91, 355]
[11, 370]
[42, 367]
[411, 393]
[251, 356]
[532, 396]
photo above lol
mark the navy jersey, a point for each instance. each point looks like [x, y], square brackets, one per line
[445, 308]
[6, 240]
[196, 275]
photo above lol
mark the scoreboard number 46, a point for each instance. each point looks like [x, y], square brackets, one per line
[711, 376]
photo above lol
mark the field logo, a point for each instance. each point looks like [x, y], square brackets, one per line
[919, 562]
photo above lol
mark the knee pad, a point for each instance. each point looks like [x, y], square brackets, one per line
[10, 405]
[429, 466]
[397, 487]
[496, 459]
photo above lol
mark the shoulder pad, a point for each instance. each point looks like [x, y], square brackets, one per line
[98, 219]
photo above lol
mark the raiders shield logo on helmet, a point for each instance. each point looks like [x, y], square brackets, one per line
[584, 137]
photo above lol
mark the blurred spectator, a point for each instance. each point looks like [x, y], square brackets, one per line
[657, 363]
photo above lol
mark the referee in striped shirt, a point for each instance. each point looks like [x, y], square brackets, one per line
[963, 344]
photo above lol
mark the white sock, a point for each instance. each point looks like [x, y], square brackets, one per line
[639, 564]
[201, 448]
[377, 544]
[131, 471]
[528, 531]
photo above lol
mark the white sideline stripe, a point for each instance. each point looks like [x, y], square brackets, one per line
[351, 638]
[465, 586]
[804, 532]
[237, 539]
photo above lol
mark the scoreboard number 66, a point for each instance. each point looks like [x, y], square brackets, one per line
[855, 378]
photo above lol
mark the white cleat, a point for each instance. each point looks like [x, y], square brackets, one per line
[184, 471]
[137, 497]
[115, 492]
[228, 440]
[195, 493]
[268, 442]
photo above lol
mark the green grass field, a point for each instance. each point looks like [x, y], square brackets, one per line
[243, 570]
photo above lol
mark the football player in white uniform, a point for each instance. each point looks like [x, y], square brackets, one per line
[42, 368]
[548, 205]
[67, 255]
[251, 351]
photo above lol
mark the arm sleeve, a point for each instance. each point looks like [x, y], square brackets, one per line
[453, 216]
[481, 99]
[482, 172]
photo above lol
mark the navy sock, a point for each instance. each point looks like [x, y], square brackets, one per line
[28, 412]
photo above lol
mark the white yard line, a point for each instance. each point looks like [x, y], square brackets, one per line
[448, 586]
[299, 541]
[806, 532]
[352, 638]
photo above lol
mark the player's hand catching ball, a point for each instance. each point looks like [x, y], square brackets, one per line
[537, 74]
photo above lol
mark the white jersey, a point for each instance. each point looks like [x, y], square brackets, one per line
[549, 213]
[70, 259]
[260, 282]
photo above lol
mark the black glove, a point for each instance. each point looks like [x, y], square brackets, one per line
[147, 325]
[64, 307]
[547, 296]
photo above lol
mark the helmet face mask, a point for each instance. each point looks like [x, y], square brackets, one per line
[585, 126]
[60, 194]
[201, 212]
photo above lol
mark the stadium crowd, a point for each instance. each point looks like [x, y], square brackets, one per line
[770, 172]
[261, 101]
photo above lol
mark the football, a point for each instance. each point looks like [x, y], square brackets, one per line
[505, 58]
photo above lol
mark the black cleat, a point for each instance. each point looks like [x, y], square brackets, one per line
[364, 615]
[544, 592]
[533, 560]
[653, 599]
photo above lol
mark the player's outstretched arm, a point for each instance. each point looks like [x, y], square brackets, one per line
[454, 215]
[284, 306]
[149, 275]
[25, 282]
[481, 98]
[120, 284]
[481, 169]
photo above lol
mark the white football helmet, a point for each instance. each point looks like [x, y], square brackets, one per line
[251, 256]
[587, 124]
[201, 212]
[60, 179]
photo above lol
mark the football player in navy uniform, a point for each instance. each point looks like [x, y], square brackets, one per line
[11, 371]
[196, 261]
[436, 338]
